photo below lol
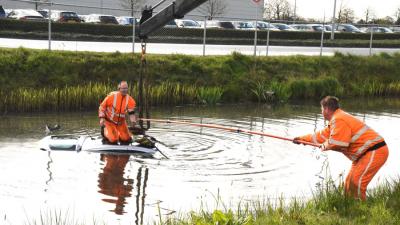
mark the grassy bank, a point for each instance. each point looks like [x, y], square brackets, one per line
[327, 206]
[34, 80]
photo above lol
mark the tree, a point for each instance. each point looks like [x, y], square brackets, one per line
[369, 15]
[214, 8]
[278, 10]
[397, 16]
[133, 5]
[345, 14]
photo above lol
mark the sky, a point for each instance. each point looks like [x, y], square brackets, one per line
[316, 8]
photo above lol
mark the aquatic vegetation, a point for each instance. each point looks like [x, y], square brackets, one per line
[88, 96]
[35, 80]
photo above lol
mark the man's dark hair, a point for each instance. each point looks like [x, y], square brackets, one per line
[330, 102]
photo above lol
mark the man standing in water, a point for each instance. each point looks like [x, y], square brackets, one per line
[112, 113]
[362, 145]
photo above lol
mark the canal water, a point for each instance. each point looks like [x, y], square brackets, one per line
[207, 168]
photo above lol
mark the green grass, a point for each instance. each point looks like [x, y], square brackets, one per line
[64, 81]
[327, 206]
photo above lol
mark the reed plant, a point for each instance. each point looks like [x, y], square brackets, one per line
[89, 96]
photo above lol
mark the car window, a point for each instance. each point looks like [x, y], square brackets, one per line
[69, 14]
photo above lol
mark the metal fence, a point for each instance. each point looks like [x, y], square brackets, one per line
[206, 35]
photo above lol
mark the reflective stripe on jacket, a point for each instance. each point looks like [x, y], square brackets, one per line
[347, 134]
[115, 106]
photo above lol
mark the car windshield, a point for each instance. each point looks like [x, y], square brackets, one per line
[245, 25]
[189, 23]
[69, 14]
[171, 22]
[352, 28]
[317, 28]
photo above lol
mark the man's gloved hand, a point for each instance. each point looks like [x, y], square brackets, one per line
[296, 140]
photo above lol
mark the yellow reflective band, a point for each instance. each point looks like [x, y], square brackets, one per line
[359, 133]
[366, 145]
[339, 143]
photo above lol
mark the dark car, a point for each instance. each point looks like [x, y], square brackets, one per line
[65, 16]
[2, 12]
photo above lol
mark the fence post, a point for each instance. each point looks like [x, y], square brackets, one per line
[267, 50]
[370, 40]
[133, 33]
[322, 37]
[204, 35]
[255, 39]
[49, 26]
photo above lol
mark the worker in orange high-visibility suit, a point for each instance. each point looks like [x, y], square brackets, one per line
[362, 145]
[112, 113]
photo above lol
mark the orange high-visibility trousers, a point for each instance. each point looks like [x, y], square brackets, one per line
[363, 170]
[115, 133]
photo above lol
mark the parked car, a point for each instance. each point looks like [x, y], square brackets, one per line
[64, 16]
[25, 14]
[44, 13]
[261, 25]
[99, 18]
[171, 24]
[378, 30]
[187, 23]
[243, 25]
[308, 27]
[347, 28]
[2, 12]
[127, 20]
[218, 24]
[284, 27]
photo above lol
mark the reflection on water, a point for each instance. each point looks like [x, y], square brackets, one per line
[112, 183]
[203, 162]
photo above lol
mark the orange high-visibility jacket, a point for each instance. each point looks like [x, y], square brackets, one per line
[347, 134]
[115, 106]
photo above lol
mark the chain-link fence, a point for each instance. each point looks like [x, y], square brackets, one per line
[196, 34]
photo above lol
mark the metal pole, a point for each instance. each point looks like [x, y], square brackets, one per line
[322, 37]
[255, 32]
[295, 8]
[268, 38]
[204, 35]
[333, 21]
[370, 40]
[49, 20]
[133, 34]
[101, 6]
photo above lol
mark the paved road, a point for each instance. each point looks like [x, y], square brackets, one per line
[188, 49]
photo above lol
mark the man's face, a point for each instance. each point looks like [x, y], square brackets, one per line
[123, 89]
[326, 113]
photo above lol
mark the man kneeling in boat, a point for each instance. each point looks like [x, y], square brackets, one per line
[112, 114]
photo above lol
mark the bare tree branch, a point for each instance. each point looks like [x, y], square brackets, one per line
[134, 5]
[278, 10]
[214, 8]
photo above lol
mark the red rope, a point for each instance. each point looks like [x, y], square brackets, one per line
[237, 130]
